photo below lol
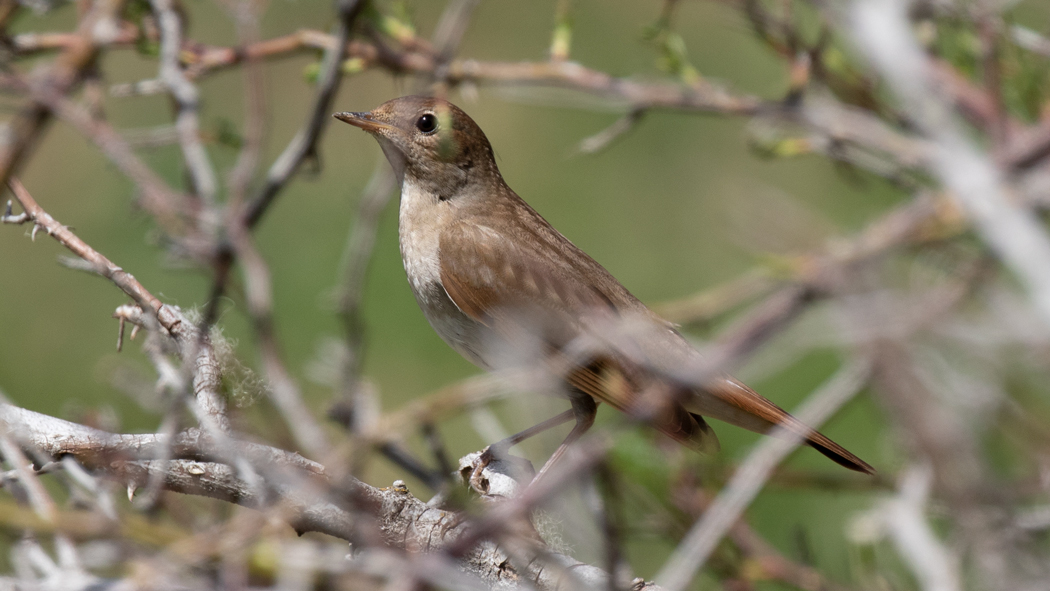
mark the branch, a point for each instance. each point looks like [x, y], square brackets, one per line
[20, 134]
[304, 143]
[170, 208]
[933, 564]
[349, 511]
[1012, 232]
[206, 386]
[187, 124]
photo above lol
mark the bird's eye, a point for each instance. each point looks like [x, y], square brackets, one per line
[427, 123]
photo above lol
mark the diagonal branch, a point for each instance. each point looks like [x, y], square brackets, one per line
[171, 320]
[22, 132]
[304, 144]
[1010, 230]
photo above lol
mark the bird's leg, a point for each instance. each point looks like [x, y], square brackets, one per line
[584, 409]
[499, 448]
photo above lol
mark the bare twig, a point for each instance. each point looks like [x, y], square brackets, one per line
[39, 499]
[932, 563]
[246, 15]
[187, 123]
[1030, 40]
[170, 208]
[351, 287]
[98, 26]
[304, 143]
[283, 390]
[607, 136]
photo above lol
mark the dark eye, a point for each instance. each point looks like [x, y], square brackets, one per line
[427, 123]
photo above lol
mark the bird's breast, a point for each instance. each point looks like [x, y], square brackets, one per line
[420, 220]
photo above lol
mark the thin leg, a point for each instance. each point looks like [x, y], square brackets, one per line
[501, 447]
[584, 409]
[517, 438]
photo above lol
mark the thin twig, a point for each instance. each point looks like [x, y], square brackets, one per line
[21, 132]
[255, 118]
[187, 123]
[283, 390]
[170, 208]
[305, 141]
[932, 563]
[357, 255]
[605, 138]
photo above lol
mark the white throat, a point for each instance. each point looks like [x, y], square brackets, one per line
[420, 219]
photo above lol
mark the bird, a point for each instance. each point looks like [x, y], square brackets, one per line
[490, 273]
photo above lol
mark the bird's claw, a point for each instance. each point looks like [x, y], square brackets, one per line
[477, 480]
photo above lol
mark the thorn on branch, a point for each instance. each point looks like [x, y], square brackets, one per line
[128, 313]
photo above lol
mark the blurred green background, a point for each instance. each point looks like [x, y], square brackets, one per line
[678, 205]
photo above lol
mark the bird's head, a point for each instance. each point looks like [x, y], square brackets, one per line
[430, 141]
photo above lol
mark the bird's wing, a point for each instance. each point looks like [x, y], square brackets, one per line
[610, 380]
[489, 276]
[539, 288]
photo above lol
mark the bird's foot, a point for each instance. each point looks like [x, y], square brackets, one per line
[477, 480]
[494, 473]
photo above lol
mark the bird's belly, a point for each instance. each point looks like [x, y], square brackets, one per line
[461, 332]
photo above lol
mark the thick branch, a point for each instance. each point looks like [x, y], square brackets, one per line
[348, 510]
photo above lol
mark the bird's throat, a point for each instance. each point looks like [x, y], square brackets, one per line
[394, 156]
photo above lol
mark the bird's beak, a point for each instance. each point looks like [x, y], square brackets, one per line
[364, 121]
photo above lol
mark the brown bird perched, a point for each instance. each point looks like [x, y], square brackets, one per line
[489, 273]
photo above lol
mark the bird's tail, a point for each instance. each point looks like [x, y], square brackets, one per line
[733, 402]
[727, 400]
